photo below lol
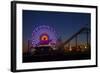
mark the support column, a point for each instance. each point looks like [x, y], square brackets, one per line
[28, 45]
[87, 38]
[76, 41]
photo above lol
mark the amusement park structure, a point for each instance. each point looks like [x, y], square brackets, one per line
[47, 46]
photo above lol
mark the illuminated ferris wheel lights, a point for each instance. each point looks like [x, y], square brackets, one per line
[42, 35]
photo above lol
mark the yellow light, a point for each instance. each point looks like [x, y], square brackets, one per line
[70, 49]
[44, 37]
[85, 47]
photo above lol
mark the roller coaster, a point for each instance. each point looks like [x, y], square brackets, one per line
[65, 51]
[62, 47]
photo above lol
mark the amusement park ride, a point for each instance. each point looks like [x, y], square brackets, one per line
[46, 40]
[48, 45]
[45, 46]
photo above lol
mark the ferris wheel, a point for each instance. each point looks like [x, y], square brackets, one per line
[44, 35]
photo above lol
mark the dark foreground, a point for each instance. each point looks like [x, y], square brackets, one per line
[56, 57]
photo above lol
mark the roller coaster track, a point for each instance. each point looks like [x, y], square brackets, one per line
[87, 30]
